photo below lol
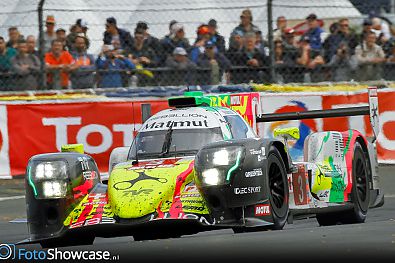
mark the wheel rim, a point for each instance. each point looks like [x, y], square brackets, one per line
[361, 182]
[276, 184]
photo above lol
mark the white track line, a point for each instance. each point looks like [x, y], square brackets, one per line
[12, 198]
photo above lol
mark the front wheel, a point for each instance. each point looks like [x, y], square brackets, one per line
[277, 187]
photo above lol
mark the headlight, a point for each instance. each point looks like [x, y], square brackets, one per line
[215, 166]
[56, 189]
[48, 179]
[50, 170]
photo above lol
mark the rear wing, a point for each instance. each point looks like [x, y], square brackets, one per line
[372, 110]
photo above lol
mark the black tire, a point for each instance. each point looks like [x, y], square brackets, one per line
[277, 187]
[360, 194]
[68, 241]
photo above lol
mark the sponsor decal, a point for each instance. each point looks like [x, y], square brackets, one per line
[179, 115]
[254, 173]
[202, 219]
[84, 163]
[154, 164]
[176, 124]
[89, 175]
[260, 153]
[93, 221]
[247, 190]
[125, 185]
[262, 210]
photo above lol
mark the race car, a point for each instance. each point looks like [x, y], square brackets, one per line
[196, 167]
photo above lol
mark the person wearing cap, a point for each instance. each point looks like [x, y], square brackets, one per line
[203, 35]
[113, 32]
[235, 47]
[370, 57]
[111, 66]
[79, 28]
[49, 33]
[176, 39]
[141, 53]
[26, 67]
[149, 39]
[59, 64]
[61, 36]
[83, 77]
[216, 61]
[281, 23]
[216, 38]
[246, 24]
[184, 68]
[314, 32]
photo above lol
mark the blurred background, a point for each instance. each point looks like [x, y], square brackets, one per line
[90, 44]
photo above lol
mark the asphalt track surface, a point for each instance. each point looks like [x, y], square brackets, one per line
[303, 241]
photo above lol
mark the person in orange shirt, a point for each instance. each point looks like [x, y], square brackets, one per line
[59, 64]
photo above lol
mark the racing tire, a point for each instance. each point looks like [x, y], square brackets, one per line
[277, 187]
[68, 241]
[360, 193]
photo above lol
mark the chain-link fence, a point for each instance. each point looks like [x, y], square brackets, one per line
[122, 43]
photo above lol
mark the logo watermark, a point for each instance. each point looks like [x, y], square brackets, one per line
[11, 252]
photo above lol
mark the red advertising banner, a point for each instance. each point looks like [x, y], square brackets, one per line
[100, 126]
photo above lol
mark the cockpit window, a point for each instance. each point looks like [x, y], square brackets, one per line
[238, 127]
[163, 143]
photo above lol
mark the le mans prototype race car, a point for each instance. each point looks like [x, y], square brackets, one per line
[195, 167]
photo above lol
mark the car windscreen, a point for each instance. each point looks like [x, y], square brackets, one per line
[157, 144]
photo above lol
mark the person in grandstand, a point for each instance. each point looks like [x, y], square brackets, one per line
[31, 45]
[79, 28]
[114, 33]
[183, 69]
[235, 47]
[215, 36]
[342, 64]
[14, 36]
[310, 59]
[281, 26]
[26, 67]
[314, 33]
[203, 36]
[216, 61]
[370, 57]
[149, 40]
[110, 65]
[49, 33]
[6, 54]
[141, 52]
[61, 36]
[59, 64]
[83, 77]
[176, 39]
[245, 25]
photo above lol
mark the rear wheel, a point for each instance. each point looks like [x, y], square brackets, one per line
[360, 194]
[277, 187]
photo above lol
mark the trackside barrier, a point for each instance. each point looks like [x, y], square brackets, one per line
[101, 124]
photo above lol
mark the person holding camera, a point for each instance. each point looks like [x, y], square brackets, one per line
[111, 65]
[342, 63]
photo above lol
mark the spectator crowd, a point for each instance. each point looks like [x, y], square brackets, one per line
[138, 58]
